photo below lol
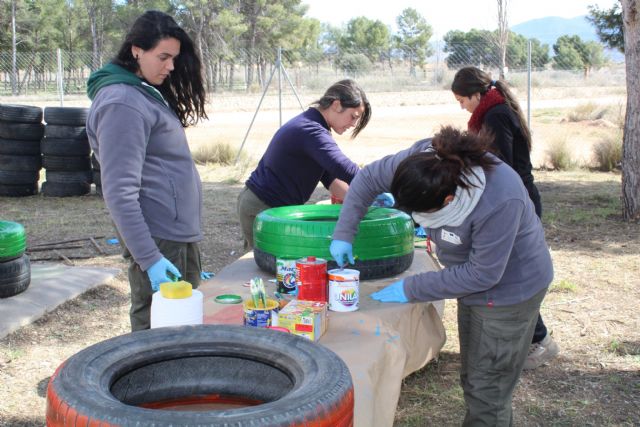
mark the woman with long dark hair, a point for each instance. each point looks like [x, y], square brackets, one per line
[488, 238]
[142, 101]
[495, 109]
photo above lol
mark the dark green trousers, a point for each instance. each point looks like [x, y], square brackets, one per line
[185, 256]
[494, 343]
[249, 206]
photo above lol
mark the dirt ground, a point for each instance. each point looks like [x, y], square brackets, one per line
[591, 307]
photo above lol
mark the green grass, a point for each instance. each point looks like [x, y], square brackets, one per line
[563, 286]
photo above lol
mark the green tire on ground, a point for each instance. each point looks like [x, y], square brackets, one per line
[13, 241]
[383, 246]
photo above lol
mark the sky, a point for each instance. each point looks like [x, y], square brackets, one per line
[445, 15]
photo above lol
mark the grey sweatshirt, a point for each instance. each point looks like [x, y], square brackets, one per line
[497, 256]
[149, 180]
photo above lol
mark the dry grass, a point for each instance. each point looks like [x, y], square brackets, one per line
[591, 308]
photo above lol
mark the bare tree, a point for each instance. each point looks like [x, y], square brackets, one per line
[631, 141]
[503, 34]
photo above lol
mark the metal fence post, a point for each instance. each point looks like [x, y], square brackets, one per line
[60, 78]
[529, 84]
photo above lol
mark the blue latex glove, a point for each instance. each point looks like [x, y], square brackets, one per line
[340, 250]
[392, 293]
[384, 200]
[420, 232]
[158, 273]
[205, 275]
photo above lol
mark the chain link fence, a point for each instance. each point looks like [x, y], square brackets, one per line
[244, 71]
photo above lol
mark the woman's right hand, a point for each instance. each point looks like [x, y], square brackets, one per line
[340, 250]
[158, 273]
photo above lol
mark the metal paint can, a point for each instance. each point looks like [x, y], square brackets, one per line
[286, 275]
[261, 317]
[344, 293]
[311, 279]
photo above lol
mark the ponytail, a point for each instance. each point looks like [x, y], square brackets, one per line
[423, 180]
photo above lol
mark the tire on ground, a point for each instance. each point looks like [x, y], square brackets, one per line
[383, 246]
[136, 379]
[71, 116]
[15, 276]
[18, 190]
[69, 189]
[69, 177]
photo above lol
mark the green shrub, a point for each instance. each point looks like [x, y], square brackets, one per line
[220, 153]
[608, 152]
[560, 155]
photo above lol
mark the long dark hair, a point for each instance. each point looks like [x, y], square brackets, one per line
[350, 95]
[183, 89]
[423, 180]
[470, 80]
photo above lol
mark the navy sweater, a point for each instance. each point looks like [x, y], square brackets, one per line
[301, 154]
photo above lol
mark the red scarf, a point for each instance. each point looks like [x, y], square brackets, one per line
[490, 99]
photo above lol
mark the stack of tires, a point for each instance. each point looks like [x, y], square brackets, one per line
[21, 130]
[15, 270]
[65, 152]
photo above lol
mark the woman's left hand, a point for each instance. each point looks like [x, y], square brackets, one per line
[392, 293]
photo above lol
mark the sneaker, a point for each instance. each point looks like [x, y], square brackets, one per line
[541, 353]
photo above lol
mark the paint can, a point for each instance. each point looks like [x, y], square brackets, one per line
[261, 317]
[344, 290]
[286, 275]
[311, 279]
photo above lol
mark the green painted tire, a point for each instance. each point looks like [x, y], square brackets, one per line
[13, 241]
[383, 246]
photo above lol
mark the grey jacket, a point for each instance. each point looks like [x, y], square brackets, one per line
[497, 256]
[149, 180]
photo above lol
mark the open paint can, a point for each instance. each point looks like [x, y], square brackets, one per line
[261, 317]
[344, 289]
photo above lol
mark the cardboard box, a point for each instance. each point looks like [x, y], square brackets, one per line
[305, 318]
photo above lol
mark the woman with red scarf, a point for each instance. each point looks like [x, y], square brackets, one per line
[494, 109]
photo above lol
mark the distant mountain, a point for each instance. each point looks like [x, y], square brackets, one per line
[548, 29]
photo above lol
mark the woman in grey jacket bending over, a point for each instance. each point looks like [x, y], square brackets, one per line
[491, 243]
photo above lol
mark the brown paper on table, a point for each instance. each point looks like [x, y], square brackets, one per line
[381, 343]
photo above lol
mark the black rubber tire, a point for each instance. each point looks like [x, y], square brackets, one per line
[15, 276]
[22, 131]
[65, 132]
[18, 190]
[71, 189]
[20, 113]
[69, 177]
[294, 381]
[97, 180]
[13, 240]
[66, 163]
[10, 162]
[19, 147]
[71, 116]
[18, 177]
[64, 147]
[383, 246]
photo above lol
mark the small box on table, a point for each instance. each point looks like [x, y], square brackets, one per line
[305, 318]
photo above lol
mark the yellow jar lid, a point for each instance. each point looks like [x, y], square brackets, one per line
[176, 290]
